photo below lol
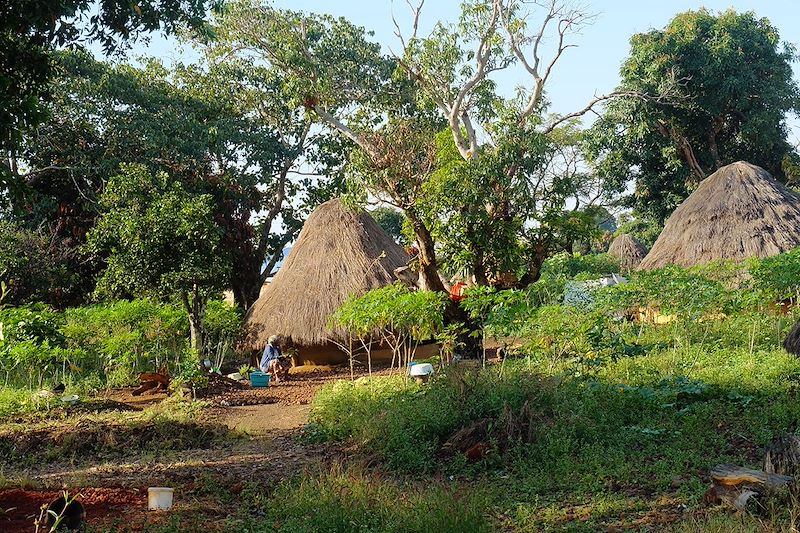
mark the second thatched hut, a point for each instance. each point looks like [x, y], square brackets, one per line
[737, 212]
[340, 253]
[628, 251]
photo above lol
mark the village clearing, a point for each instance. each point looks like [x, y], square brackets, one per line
[195, 448]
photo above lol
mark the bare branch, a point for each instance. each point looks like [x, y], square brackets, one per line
[415, 12]
[348, 132]
[661, 99]
[482, 56]
[569, 21]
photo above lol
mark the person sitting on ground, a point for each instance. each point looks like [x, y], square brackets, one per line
[273, 361]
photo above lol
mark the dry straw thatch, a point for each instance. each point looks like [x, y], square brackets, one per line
[792, 341]
[628, 250]
[737, 212]
[339, 253]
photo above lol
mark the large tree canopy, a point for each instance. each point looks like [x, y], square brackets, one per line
[31, 29]
[497, 189]
[159, 240]
[207, 127]
[733, 86]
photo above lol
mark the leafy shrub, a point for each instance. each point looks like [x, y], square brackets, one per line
[115, 340]
[31, 343]
[777, 277]
[126, 337]
[394, 314]
[673, 290]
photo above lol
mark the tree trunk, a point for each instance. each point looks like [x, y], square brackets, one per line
[534, 271]
[246, 282]
[427, 253]
[453, 313]
[195, 307]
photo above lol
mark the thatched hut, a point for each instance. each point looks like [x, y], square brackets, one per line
[737, 212]
[792, 341]
[628, 251]
[339, 253]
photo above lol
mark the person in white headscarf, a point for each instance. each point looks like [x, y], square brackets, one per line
[273, 361]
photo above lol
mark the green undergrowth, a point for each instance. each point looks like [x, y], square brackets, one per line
[611, 440]
[354, 500]
[19, 401]
[338, 499]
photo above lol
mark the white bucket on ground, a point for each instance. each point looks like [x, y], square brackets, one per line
[159, 498]
[421, 369]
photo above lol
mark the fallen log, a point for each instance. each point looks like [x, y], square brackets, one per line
[732, 475]
[735, 485]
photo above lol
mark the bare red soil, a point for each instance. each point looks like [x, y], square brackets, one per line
[19, 508]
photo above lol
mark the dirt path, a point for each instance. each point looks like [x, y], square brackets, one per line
[267, 450]
[262, 420]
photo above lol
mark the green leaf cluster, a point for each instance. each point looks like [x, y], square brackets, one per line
[159, 239]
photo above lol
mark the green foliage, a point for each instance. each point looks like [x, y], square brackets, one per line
[499, 313]
[401, 317]
[673, 290]
[726, 86]
[104, 345]
[355, 500]
[645, 230]
[576, 266]
[496, 209]
[391, 221]
[223, 322]
[126, 337]
[35, 268]
[777, 277]
[31, 343]
[159, 238]
[345, 66]
[162, 241]
[637, 422]
[215, 127]
[29, 32]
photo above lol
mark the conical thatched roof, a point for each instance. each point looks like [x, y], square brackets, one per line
[628, 250]
[739, 211]
[792, 341]
[339, 253]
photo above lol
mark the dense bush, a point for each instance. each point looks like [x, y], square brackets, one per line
[593, 378]
[38, 267]
[105, 343]
[777, 277]
[32, 345]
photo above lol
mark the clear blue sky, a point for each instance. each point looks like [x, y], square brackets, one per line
[591, 68]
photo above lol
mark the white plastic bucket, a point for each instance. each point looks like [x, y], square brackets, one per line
[159, 498]
[421, 369]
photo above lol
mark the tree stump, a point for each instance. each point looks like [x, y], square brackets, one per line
[783, 456]
[735, 486]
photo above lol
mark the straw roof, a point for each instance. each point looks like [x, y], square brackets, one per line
[628, 250]
[739, 211]
[792, 341]
[339, 253]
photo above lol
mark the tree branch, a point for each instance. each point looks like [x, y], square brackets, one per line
[597, 99]
[345, 130]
